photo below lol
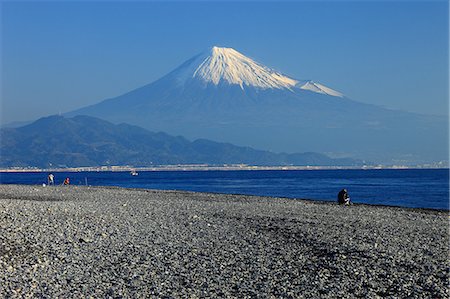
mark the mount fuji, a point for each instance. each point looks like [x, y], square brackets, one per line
[225, 96]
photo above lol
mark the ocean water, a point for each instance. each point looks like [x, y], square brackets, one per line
[418, 188]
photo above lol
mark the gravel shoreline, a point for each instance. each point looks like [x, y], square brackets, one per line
[78, 242]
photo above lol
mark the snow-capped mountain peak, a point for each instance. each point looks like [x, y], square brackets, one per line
[232, 67]
[226, 65]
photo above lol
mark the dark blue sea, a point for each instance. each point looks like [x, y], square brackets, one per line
[418, 188]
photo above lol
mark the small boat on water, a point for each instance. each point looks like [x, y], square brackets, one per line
[134, 173]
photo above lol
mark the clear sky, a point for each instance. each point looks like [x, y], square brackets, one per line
[58, 56]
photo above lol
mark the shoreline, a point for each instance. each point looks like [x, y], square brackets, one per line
[212, 168]
[313, 200]
[80, 241]
[308, 200]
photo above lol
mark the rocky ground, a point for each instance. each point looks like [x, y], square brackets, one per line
[75, 242]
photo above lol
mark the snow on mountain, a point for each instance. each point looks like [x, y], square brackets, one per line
[231, 66]
[319, 88]
[228, 65]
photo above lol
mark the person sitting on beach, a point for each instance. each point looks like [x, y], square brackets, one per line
[67, 181]
[343, 198]
[51, 179]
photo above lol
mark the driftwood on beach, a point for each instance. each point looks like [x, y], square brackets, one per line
[74, 242]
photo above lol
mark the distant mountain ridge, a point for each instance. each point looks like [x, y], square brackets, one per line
[57, 141]
[223, 95]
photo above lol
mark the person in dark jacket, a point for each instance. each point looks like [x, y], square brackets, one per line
[343, 198]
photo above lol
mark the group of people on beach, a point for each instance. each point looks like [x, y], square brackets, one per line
[51, 180]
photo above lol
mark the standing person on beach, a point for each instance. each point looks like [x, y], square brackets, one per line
[51, 179]
[343, 198]
[67, 181]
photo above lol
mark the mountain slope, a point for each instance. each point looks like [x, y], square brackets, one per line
[87, 141]
[223, 95]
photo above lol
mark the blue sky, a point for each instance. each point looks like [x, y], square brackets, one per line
[58, 56]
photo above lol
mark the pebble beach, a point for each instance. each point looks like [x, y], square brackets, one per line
[98, 242]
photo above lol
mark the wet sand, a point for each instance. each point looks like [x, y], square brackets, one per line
[76, 242]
